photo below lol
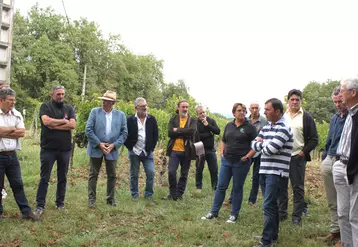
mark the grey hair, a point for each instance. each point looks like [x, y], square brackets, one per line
[352, 83]
[199, 107]
[336, 91]
[137, 100]
[54, 88]
[5, 92]
[256, 103]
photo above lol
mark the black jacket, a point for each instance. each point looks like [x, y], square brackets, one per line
[310, 135]
[188, 133]
[352, 166]
[207, 133]
[151, 133]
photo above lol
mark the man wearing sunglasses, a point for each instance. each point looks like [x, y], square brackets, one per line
[57, 121]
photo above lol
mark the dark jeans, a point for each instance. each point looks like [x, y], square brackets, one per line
[238, 171]
[95, 167]
[9, 166]
[48, 158]
[177, 188]
[211, 159]
[271, 215]
[148, 164]
[297, 178]
[255, 179]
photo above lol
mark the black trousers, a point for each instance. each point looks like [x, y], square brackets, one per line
[297, 178]
[48, 158]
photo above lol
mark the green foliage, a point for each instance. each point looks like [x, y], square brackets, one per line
[322, 129]
[318, 101]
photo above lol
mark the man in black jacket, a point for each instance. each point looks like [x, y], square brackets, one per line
[141, 141]
[182, 131]
[305, 140]
[207, 128]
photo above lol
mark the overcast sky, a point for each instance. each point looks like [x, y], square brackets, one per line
[231, 51]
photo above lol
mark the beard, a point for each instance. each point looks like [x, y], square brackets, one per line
[58, 104]
[184, 114]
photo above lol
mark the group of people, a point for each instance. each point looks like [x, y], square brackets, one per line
[340, 166]
[278, 146]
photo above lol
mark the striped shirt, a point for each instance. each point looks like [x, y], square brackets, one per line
[344, 146]
[276, 148]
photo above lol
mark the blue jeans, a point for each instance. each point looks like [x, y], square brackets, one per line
[238, 171]
[177, 188]
[9, 165]
[148, 164]
[211, 159]
[48, 158]
[271, 216]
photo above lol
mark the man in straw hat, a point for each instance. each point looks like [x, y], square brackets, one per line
[106, 130]
[57, 121]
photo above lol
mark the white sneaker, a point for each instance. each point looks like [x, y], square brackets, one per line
[232, 219]
[3, 194]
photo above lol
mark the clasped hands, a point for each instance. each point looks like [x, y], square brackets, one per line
[106, 147]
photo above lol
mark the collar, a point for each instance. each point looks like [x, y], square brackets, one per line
[136, 116]
[13, 112]
[353, 110]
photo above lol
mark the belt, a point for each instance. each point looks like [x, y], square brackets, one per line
[345, 162]
[8, 153]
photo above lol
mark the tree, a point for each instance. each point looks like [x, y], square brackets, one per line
[318, 101]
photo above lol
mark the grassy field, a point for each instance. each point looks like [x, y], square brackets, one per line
[142, 223]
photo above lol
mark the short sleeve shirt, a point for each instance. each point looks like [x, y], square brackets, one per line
[56, 139]
[11, 119]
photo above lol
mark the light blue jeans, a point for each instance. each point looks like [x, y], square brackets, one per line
[148, 164]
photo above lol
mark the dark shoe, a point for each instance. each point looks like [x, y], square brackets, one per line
[30, 216]
[258, 238]
[232, 219]
[263, 245]
[170, 198]
[330, 237]
[113, 203]
[135, 197]
[297, 222]
[39, 211]
[209, 216]
[283, 218]
[61, 207]
[180, 197]
[92, 204]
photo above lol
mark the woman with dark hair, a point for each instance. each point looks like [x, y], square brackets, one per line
[236, 157]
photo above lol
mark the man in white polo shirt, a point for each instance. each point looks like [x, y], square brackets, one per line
[11, 129]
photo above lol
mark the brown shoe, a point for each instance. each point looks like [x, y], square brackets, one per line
[227, 202]
[338, 244]
[30, 216]
[330, 237]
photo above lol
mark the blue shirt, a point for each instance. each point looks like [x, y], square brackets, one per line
[335, 132]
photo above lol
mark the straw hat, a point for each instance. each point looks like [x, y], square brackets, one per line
[109, 95]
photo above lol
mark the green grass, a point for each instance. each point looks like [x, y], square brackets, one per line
[141, 223]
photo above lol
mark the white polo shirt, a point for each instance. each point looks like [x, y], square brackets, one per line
[11, 119]
[296, 123]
